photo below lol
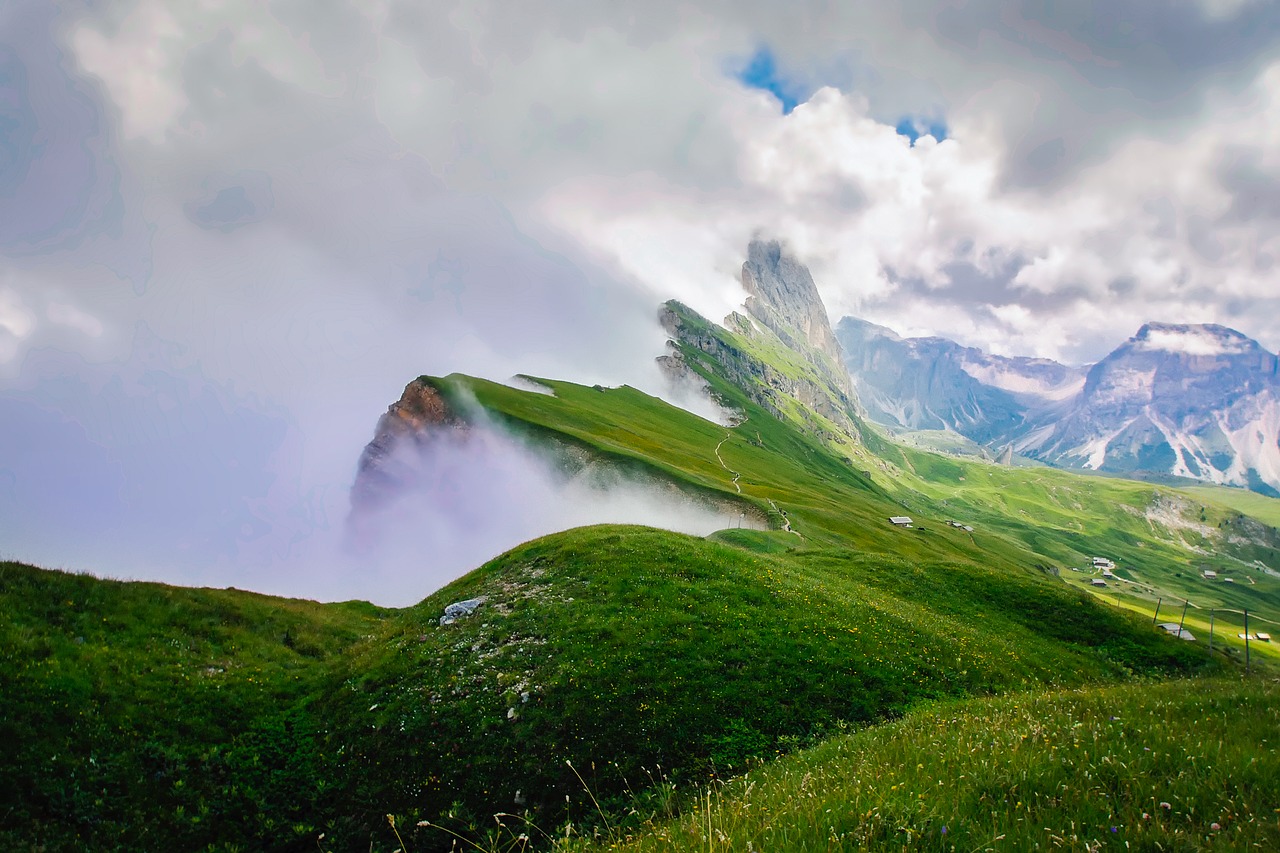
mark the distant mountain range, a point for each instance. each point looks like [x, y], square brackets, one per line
[1196, 401]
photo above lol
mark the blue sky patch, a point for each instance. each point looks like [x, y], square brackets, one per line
[761, 72]
[914, 128]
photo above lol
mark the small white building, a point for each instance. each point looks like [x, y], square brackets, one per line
[1172, 628]
[1097, 582]
[1106, 573]
[1209, 574]
[900, 521]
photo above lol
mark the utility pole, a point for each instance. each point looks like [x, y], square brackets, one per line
[1246, 641]
[1157, 616]
[1183, 620]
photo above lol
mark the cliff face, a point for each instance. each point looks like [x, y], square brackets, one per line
[937, 384]
[782, 296]
[781, 352]
[420, 413]
[766, 383]
[1200, 401]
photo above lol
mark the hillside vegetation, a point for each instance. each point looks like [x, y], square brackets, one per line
[602, 663]
[140, 716]
[1175, 766]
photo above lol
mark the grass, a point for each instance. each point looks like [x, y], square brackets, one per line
[1177, 766]
[159, 717]
[624, 650]
[221, 715]
[612, 660]
[1261, 507]
[1022, 517]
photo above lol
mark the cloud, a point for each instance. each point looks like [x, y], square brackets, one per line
[466, 498]
[308, 204]
[16, 323]
[64, 314]
[1192, 341]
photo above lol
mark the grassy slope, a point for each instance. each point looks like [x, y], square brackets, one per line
[158, 716]
[634, 647]
[1023, 517]
[1261, 507]
[1162, 537]
[1170, 767]
[638, 649]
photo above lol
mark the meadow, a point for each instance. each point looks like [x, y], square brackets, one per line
[1173, 766]
[611, 673]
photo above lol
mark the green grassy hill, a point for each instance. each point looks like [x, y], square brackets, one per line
[625, 650]
[167, 718]
[140, 716]
[162, 718]
[1175, 766]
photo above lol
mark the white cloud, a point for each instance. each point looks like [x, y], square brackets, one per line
[137, 65]
[16, 323]
[64, 314]
[1191, 341]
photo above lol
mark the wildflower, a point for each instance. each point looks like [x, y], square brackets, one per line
[1215, 826]
[1165, 806]
[944, 830]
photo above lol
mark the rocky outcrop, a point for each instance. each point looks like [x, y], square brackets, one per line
[782, 296]
[782, 351]
[460, 609]
[421, 412]
[765, 384]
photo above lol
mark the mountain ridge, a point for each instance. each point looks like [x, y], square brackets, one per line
[1200, 401]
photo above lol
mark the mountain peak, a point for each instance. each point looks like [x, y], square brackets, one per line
[781, 294]
[1193, 339]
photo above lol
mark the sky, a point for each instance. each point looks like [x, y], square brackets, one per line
[231, 232]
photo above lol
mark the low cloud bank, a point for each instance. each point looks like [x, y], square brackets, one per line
[465, 498]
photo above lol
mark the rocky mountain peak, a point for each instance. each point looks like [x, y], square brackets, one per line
[781, 295]
[1189, 400]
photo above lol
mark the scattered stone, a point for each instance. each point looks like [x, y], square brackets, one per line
[458, 609]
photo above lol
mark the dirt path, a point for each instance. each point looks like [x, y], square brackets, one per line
[786, 522]
[735, 474]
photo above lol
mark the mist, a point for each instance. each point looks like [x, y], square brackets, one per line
[464, 497]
